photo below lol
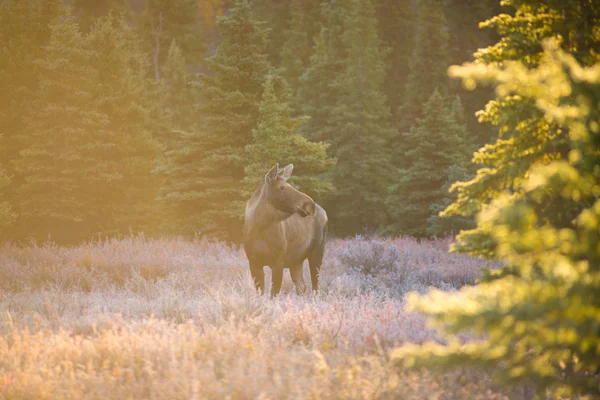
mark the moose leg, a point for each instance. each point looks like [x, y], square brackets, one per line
[298, 278]
[258, 275]
[315, 261]
[277, 278]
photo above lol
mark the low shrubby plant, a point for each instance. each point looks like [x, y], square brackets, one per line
[169, 318]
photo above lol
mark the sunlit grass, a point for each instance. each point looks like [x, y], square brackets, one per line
[168, 319]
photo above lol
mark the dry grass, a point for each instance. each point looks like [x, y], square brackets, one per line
[172, 319]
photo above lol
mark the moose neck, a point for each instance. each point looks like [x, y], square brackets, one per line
[263, 213]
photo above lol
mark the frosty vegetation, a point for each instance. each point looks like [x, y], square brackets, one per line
[168, 319]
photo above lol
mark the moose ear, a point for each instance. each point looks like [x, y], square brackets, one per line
[272, 174]
[286, 171]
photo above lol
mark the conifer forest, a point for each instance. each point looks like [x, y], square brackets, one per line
[454, 145]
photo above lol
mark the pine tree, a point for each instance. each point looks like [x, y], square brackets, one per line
[88, 11]
[274, 141]
[465, 38]
[178, 97]
[524, 135]
[317, 96]
[429, 63]
[304, 27]
[397, 31]
[276, 15]
[87, 156]
[53, 200]
[359, 127]
[178, 116]
[124, 94]
[7, 216]
[538, 316]
[436, 149]
[24, 31]
[166, 20]
[211, 194]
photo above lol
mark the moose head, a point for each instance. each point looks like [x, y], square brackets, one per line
[281, 195]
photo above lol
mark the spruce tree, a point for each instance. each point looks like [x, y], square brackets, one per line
[7, 216]
[465, 38]
[58, 146]
[24, 31]
[525, 136]
[397, 31]
[359, 127]
[87, 154]
[124, 94]
[276, 15]
[88, 11]
[178, 123]
[304, 26]
[435, 150]
[538, 316]
[317, 95]
[211, 194]
[274, 141]
[166, 20]
[429, 63]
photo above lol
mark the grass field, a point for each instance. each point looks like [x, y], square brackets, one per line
[137, 318]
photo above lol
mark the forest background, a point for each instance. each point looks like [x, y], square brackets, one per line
[162, 116]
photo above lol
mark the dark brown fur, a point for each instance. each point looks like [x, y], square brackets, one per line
[283, 228]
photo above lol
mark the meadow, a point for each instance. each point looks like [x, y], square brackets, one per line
[177, 319]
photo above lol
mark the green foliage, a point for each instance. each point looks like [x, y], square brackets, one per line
[24, 31]
[429, 63]
[274, 141]
[87, 152]
[436, 153]
[359, 127]
[397, 32]
[214, 155]
[465, 38]
[178, 117]
[317, 96]
[166, 20]
[7, 216]
[299, 39]
[276, 15]
[525, 136]
[87, 11]
[539, 317]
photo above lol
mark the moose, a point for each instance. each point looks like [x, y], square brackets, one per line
[283, 227]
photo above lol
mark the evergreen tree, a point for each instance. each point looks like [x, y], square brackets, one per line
[178, 116]
[300, 37]
[7, 216]
[436, 153]
[317, 96]
[429, 63]
[178, 97]
[359, 127]
[53, 200]
[274, 140]
[166, 20]
[539, 315]
[123, 93]
[525, 135]
[211, 194]
[86, 154]
[276, 15]
[24, 31]
[465, 38]
[397, 31]
[88, 11]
